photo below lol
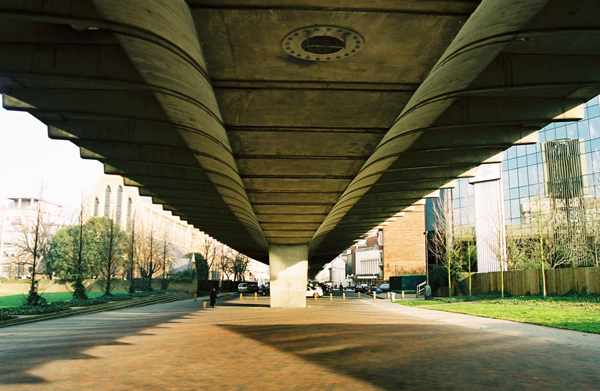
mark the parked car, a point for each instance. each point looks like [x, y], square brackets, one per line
[264, 290]
[382, 288]
[362, 288]
[313, 292]
[249, 287]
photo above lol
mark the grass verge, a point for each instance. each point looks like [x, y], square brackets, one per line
[15, 300]
[11, 312]
[580, 312]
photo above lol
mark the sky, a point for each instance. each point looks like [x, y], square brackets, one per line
[30, 162]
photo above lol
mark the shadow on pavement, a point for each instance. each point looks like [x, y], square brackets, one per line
[229, 304]
[421, 357]
[68, 338]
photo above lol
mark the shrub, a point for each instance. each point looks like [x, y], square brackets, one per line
[184, 276]
[438, 276]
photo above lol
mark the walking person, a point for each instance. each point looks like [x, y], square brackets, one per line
[213, 298]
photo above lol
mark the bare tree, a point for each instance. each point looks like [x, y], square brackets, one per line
[240, 264]
[225, 261]
[111, 251]
[208, 249]
[132, 254]
[498, 247]
[593, 232]
[165, 254]
[149, 262]
[33, 245]
[442, 241]
[79, 291]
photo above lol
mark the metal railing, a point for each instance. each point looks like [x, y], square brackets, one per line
[421, 288]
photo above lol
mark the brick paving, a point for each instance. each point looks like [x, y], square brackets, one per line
[245, 345]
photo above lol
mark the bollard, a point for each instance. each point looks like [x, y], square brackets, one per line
[344, 296]
[393, 296]
[204, 304]
[225, 296]
[388, 295]
[241, 296]
[315, 295]
[255, 296]
[402, 295]
[331, 297]
[358, 295]
[374, 295]
[195, 296]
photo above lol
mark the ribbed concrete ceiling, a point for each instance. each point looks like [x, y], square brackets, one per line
[198, 104]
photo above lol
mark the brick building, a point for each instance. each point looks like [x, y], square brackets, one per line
[397, 248]
[404, 244]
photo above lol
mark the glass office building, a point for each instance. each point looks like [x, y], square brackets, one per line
[527, 170]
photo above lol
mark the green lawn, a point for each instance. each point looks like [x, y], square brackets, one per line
[581, 313]
[15, 300]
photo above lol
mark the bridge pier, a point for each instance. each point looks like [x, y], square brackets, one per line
[289, 274]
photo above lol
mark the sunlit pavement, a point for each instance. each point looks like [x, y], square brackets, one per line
[331, 345]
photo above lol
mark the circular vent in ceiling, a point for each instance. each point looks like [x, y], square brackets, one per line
[322, 43]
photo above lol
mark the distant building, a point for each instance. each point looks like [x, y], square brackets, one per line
[18, 215]
[111, 198]
[397, 248]
[334, 272]
[403, 243]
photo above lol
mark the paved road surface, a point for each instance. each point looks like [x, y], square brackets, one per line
[246, 346]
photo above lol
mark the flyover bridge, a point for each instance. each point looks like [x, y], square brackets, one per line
[287, 129]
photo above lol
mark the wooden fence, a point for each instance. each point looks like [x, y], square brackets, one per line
[558, 281]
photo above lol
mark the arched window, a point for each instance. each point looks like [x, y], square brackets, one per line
[96, 206]
[119, 202]
[129, 202]
[107, 201]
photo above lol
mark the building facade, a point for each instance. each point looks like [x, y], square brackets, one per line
[559, 174]
[18, 218]
[111, 198]
[396, 247]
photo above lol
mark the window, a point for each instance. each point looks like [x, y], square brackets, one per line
[107, 201]
[119, 202]
[129, 202]
[96, 207]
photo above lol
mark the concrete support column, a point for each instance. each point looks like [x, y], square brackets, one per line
[289, 275]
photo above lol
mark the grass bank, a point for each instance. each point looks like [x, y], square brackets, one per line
[580, 312]
[17, 299]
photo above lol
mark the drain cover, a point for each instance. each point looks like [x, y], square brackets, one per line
[322, 43]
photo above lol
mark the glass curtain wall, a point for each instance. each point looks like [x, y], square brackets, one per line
[523, 170]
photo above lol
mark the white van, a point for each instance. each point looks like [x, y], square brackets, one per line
[244, 287]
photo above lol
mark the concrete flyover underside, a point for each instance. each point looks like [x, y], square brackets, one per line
[201, 105]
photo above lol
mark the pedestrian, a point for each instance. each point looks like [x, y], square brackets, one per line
[213, 298]
[341, 287]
